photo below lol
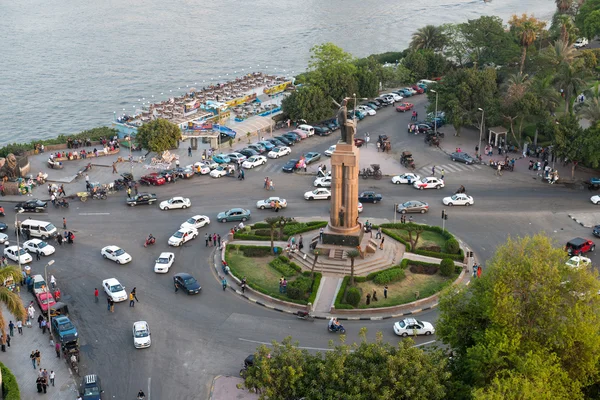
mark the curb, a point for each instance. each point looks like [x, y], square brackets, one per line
[579, 222]
[212, 386]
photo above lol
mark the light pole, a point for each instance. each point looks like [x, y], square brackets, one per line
[130, 155]
[480, 130]
[436, 114]
[47, 292]
[18, 231]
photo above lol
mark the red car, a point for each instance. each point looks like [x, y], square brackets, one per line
[153, 179]
[419, 89]
[45, 300]
[358, 142]
[405, 107]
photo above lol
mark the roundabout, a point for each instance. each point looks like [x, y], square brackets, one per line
[197, 337]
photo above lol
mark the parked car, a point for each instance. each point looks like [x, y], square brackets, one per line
[187, 283]
[141, 335]
[199, 168]
[581, 42]
[113, 289]
[91, 388]
[292, 136]
[153, 179]
[141, 199]
[254, 161]
[262, 204]
[115, 254]
[64, 329]
[579, 246]
[322, 131]
[418, 89]
[330, 150]
[175, 203]
[267, 145]
[197, 222]
[236, 157]
[407, 177]
[458, 199]
[311, 157]
[462, 157]
[412, 326]
[370, 197]
[421, 128]
[302, 134]
[279, 152]
[234, 214]
[290, 166]
[413, 206]
[45, 300]
[367, 109]
[221, 158]
[404, 107]
[18, 254]
[249, 152]
[258, 147]
[578, 262]
[33, 205]
[596, 230]
[322, 182]
[164, 262]
[222, 170]
[429, 183]
[373, 105]
[285, 140]
[276, 142]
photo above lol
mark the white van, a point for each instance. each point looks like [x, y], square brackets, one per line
[41, 229]
[426, 82]
[581, 42]
[308, 129]
[39, 284]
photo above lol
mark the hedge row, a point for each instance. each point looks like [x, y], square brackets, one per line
[406, 261]
[340, 296]
[447, 235]
[299, 288]
[262, 231]
[315, 286]
[389, 275]
[93, 134]
[10, 387]
[283, 265]
[253, 251]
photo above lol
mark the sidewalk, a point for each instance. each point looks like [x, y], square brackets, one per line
[225, 388]
[17, 360]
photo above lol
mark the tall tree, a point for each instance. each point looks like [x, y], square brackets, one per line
[518, 102]
[564, 5]
[429, 37]
[352, 254]
[333, 70]
[273, 222]
[559, 53]
[591, 25]
[487, 41]
[158, 135]
[545, 93]
[590, 109]
[528, 308]
[11, 300]
[584, 12]
[308, 103]
[570, 78]
[526, 28]
[569, 140]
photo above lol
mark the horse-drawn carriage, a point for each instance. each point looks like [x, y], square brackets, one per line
[433, 139]
[407, 160]
[374, 171]
[384, 143]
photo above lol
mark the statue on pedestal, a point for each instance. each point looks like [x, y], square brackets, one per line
[342, 118]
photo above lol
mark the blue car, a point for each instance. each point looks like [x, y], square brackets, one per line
[267, 144]
[235, 214]
[221, 159]
[64, 329]
[404, 92]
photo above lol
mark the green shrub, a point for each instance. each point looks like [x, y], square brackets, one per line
[452, 246]
[389, 275]
[264, 232]
[282, 267]
[353, 296]
[447, 267]
[456, 257]
[315, 286]
[10, 387]
[260, 225]
[254, 251]
[299, 288]
[283, 258]
[340, 296]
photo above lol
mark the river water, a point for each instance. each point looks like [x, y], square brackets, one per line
[67, 66]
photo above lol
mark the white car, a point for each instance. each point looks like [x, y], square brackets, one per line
[329, 151]
[368, 109]
[279, 151]
[114, 289]
[578, 261]
[39, 246]
[115, 254]
[429, 183]
[360, 207]
[412, 326]
[266, 203]
[141, 335]
[3, 238]
[459, 199]
[395, 96]
[163, 262]
[318, 194]
[254, 161]
[196, 222]
[323, 182]
[175, 202]
[209, 163]
[408, 177]
[236, 157]
[182, 236]
[200, 168]
[581, 42]
[595, 199]
[222, 170]
[18, 254]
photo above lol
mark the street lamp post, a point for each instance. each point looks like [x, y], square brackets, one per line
[18, 232]
[47, 302]
[436, 114]
[480, 130]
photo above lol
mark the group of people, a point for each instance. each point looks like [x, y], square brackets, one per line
[414, 116]
[268, 184]
[77, 143]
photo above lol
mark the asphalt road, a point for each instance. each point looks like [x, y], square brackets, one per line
[195, 338]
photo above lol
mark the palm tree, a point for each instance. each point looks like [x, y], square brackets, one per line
[352, 254]
[571, 79]
[273, 223]
[11, 300]
[545, 92]
[516, 86]
[316, 253]
[590, 109]
[563, 5]
[560, 53]
[428, 37]
[568, 31]
[527, 30]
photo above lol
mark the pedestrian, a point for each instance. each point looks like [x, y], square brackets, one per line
[433, 171]
[20, 327]
[243, 287]
[378, 235]
[374, 297]
[129, 192]
[39, 320]
[381, 244]
[499, 170]
[378, 145]
[37, 256]
[189, 151]
[59, 239]
[53, 282]
[112, 305]
[38, 357]
[32, 358]
[243, 174]
[321, 231]
[284, 286]
[44, 384]
[224, 283]
[62, 190]
[95, 295]
[442, 174]
[135, 188]
[385, 290]
[271, 187]
[114, 170]
[266, 183]
[206, 238]
[300, 244]
[44, 326]
[7, 340]
[45, 373]
[38, 383]
[53, 199]
[64, 223]
[410, 219]
[219, 240]
[368, 298]
[479, 271]
[132, 296]
[11, 328]
[367, 138]
[214, 238]
[52, 377]
[108, 304]
[57, 349]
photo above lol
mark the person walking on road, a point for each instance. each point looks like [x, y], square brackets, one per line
[114, 166]
[64, 223]
[52, 377]
[20, 327]
[381, 244]
[224, 283]
[433, 171]
[132, 297]
[95, 295]
[111, 303]
[11, 328]
[32, 358]
[206, 239]
[442, 174]
[499, 170]
[210, 240]
[189, 151]
[38, 357]
[57, 349]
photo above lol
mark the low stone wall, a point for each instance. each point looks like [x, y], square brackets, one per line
[53, 147]
[89, 155]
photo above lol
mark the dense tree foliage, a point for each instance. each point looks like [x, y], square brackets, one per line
[158, 135]
[586, 10]
[309, 103]
[527, 329]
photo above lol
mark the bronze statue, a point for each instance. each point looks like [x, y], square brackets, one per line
[342, 118]
[10, 169]
[341, 216]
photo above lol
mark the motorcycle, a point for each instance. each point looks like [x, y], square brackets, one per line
[305, 316]
[1, 211]
[461, 190]
[336, 328]
[150, 241]
[60, 203]
[100, 195]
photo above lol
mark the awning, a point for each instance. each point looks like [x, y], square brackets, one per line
[263, 97]
[252, 125]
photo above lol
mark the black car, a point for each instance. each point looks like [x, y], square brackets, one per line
[167, 174]
[142, 198]
[3, 227]
[187, 283]
[290, 166]
[91, 388]
[288, 142]
[322, 130]
[373, 105]
[462, 157]
[369, 197]
[293, 136]
[34, 205]
[596, 230]
[422, 128]
[276, 142]
[332, 124]
[248, 152]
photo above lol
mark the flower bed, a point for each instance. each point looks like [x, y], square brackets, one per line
[438, 238]
[262, 231]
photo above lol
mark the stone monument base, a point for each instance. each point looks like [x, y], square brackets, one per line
[351, 237]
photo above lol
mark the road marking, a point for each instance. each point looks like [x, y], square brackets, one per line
[320, 348]
[149, 382]
[425, 343]
[94, 213]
